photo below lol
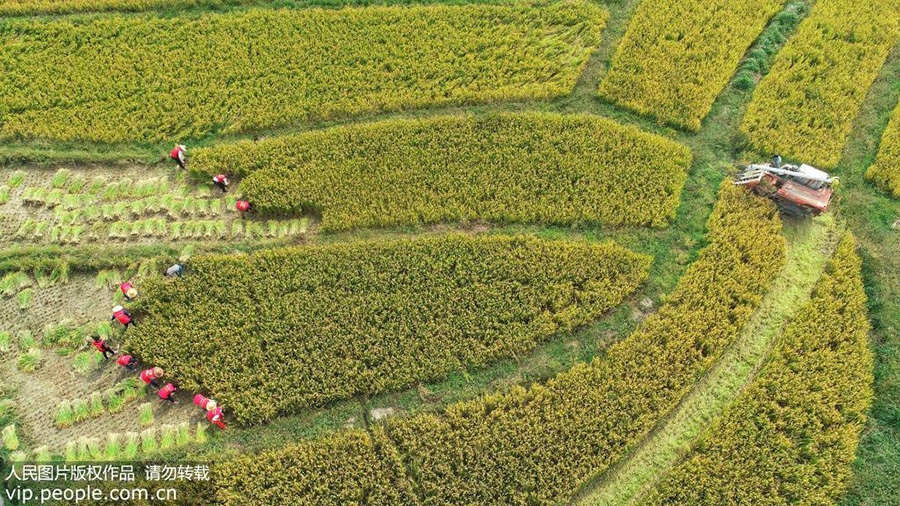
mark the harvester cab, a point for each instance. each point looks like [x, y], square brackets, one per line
[798, 191]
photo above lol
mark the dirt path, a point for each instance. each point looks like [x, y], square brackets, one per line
[808, 247]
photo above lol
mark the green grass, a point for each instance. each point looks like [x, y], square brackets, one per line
[808, 246]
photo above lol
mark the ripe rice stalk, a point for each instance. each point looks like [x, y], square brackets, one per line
[113, 446]
[121, 209]
[175, 230]
[10, 439]
[81, 409]
[30, 360]
[42, 454]
[98, 185]
[114, 401]
[54, 198]
[97, 408]
[86, 361]
[77, 183]
[93, 446]
[201, 207]
[188, 204]
[167, 441]
[71, 454]
[148, 441]
[16, 179]
[237, 229]
[61, 178]
[130, 389]
[132, 446]
[146, 414]
[138, 207]
[125, 187]
[40, 230]
[153, 204]
[25, 339]
[183, 436]
[60, 273]
[5, 341]
[65, 416]
[71, 201]
[201, 435]
[18, 456]
[26, 228]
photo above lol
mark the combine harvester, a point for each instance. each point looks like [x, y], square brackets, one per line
[798, 191]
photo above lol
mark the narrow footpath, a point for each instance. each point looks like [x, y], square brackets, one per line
[809, 245]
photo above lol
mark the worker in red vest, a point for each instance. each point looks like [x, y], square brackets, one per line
[167, 393]
[122, 316]
[243, 206]
[129, 291]
[127, 361]
[215, 415]
[177, 154]
[149, 376]
[221, 181]
[102, 346]
[204, 402]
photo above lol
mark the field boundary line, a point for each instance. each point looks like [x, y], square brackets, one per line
[809, 246]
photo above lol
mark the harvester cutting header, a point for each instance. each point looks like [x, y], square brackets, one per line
[798, 191]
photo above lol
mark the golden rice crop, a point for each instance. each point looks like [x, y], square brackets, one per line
[149, 78]
[19, 7]
[790, 438]
[804, 108]
[677, 55]
[885, 172]
[286, 329]
[537, 445]
[532, 168]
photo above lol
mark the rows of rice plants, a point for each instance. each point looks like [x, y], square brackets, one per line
[323, 63]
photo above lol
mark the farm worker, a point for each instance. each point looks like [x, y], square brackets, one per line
[129, 291]
[204, 402]
[177, 154]
[243, 206]
[221, 181]
[127, 361]
[149, 376]
[167, 393]
[215, 416]
[123, 316]
[102, 347]
[776, 161]
[175, 270]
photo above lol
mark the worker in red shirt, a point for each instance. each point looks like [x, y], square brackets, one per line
[149, 376]
[127, 361]
[129, 291]
[122, 315]
[167, 393]
[177, 154]
[216, 415]
[244, 206]
[221, 181]
[102, 346]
